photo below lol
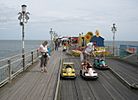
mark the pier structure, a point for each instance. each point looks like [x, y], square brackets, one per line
[117, 83]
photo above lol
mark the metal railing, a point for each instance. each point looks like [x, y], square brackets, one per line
[12, 66]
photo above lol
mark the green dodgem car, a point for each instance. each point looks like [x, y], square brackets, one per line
[100, 64]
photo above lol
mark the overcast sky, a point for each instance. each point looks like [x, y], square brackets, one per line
[69, 18]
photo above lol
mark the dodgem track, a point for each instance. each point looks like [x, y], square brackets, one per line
[107, 87]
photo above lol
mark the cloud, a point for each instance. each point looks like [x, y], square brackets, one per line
[72, 16]
[7, 14]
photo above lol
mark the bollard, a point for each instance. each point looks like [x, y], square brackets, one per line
[9, 67]
[23, 57]
[32, 57]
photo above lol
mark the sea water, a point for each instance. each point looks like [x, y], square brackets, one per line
[13, 47]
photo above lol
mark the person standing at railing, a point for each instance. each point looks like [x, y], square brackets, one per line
[88, 51]
[44, 55]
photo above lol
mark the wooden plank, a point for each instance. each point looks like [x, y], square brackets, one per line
[18, 86]
[33, 84]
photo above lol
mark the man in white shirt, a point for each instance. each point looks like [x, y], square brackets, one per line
[89, 50]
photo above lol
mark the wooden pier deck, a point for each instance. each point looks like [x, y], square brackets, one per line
[34, 84]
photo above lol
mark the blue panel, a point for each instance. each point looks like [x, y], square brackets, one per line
[98, 40]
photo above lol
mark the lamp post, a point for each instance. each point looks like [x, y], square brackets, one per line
[114, 29]
[23, 17]
[54, 35]
[51, 34]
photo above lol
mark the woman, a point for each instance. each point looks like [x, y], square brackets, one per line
[44, 55]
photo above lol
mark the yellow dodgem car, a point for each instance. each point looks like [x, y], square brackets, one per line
[68, 71]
